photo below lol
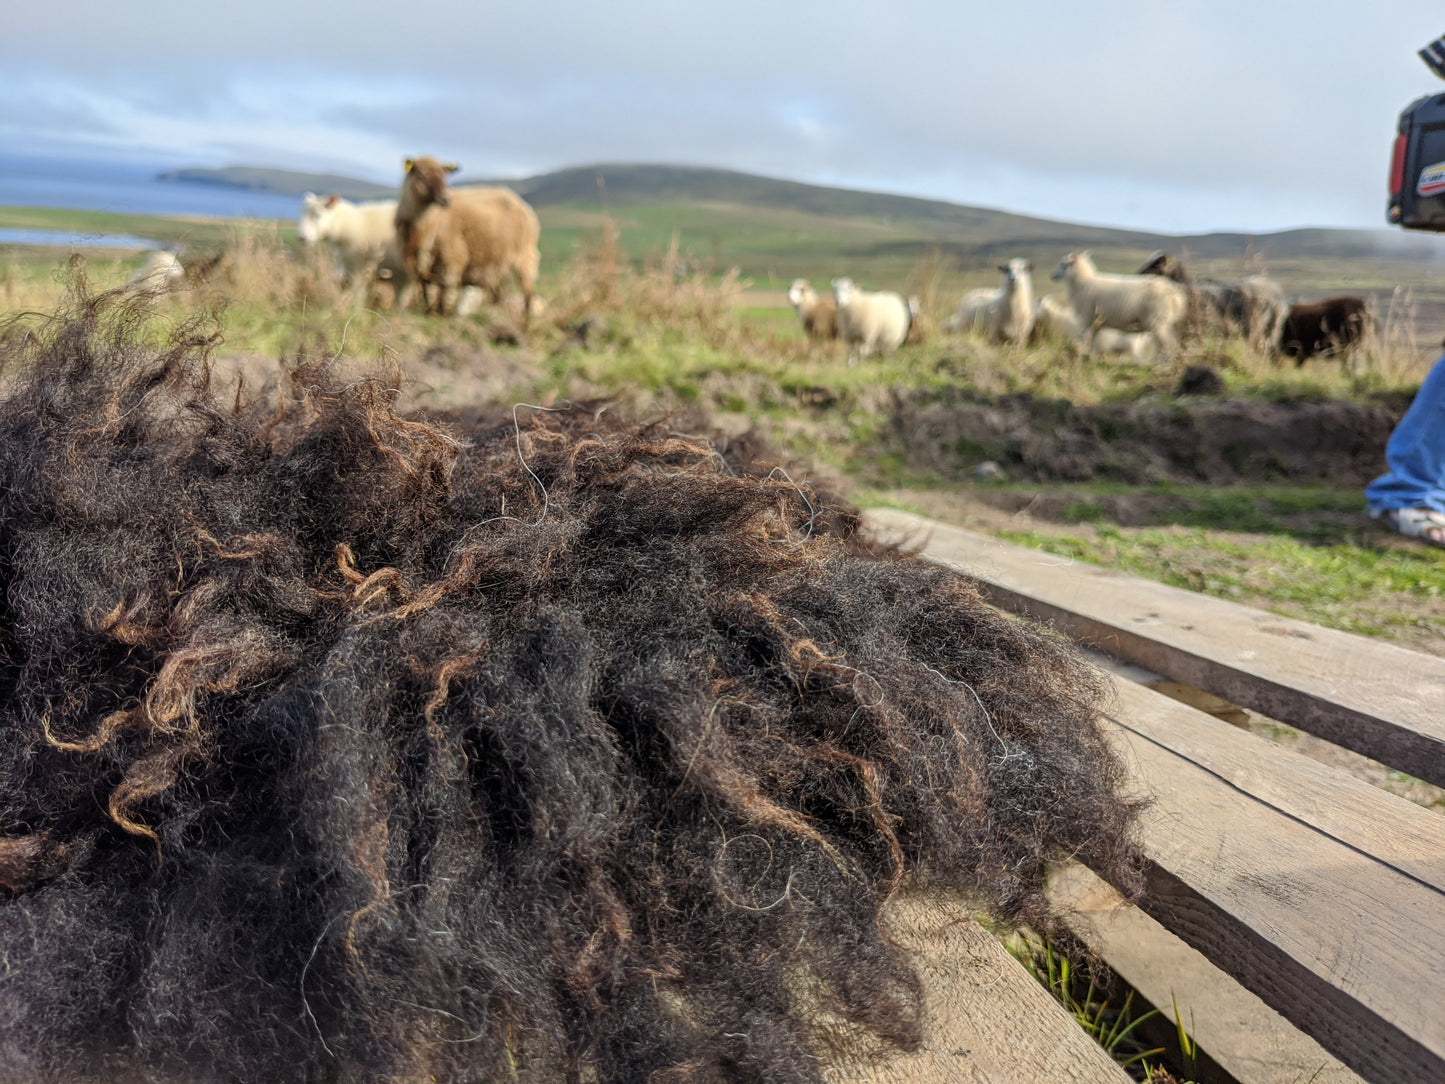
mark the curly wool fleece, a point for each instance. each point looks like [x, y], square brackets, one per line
[340, 746]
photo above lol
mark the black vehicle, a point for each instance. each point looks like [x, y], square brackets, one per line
[1417, 167]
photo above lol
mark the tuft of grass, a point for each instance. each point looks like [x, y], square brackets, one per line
[1109, 1021]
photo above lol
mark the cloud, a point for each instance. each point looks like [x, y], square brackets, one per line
[1194, 114]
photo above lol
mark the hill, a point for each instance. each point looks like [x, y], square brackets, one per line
[284, 182]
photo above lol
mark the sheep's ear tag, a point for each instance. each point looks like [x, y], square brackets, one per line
[451, 167]
[331, 200]
[410, 164]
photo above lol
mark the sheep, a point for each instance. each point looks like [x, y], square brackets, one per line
[1254, 307]
[1052, 316]
[1335, 324]
[391, 284]
[466, 237]
[358, 233]
[1108, 341]
[1005, 314]
[915, 323]
[161, 271]
[819, 314]
[971, 308]
[1260, 309]
[392, 287]
[1133, 303]
[869, 321]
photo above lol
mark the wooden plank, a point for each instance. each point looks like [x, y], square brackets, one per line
[1267, 864]
[1389, 829]
[1244, 1037]
[988, 1020]
[1382, 701]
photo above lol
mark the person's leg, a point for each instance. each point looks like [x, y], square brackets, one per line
[1415, 454]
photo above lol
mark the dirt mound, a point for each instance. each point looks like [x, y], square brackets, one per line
[1214, 443]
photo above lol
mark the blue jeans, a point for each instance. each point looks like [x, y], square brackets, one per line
[1415, 453]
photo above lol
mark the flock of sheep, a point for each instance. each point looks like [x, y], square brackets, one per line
[1105, 313]
[456, 244]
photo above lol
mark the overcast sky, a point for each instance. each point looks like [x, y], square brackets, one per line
[1177, 115]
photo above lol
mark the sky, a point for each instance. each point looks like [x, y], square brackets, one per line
[1179, 116]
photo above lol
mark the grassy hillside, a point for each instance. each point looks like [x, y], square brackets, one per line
[962, 229]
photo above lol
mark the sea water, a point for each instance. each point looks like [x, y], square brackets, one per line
[128, 188]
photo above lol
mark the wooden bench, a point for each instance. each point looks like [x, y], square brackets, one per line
[1319, 894]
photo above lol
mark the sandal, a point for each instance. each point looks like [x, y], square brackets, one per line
[1422, 523]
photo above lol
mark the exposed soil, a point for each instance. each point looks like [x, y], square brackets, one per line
[1196, 441]
[442, 378]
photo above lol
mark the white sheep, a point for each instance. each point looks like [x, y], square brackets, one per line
[869, 321]
[971, 307]
[1133, 303]
[1135, 344]
[1005, 314]
[1052, 316]
[359, 233]
[819, 314]
[161, 271]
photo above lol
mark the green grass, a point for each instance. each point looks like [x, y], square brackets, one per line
[1344, 585]
[1110, 1020]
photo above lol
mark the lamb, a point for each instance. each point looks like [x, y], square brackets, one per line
[1260, 308]
[358, 233]
[1134, 303]
[467, 237]
[1052, 316]
[1108, 342]
[819, 314]
[1005, 314]
[1335, 324]
[1254, 307]
[391, 284]
[915, 322]
[869, 321]
[393, 287]
[971, 307]
[161, 271]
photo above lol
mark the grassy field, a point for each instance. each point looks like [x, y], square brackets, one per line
[666, 331]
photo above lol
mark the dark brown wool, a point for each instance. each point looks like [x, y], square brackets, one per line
[337, 746]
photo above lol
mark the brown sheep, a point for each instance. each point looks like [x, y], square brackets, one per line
[819, 314]
[452, 238]
[1335, 324]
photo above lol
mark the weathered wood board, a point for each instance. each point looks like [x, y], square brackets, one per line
[1382, 701]
[1323, 895]
[1239, 1033]
[988, 1020]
